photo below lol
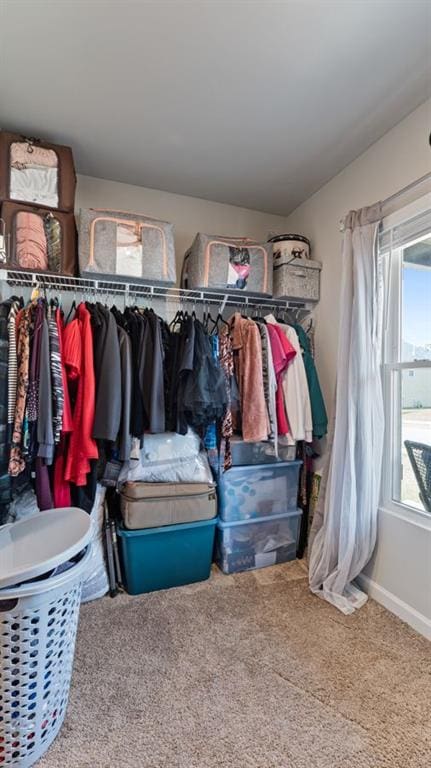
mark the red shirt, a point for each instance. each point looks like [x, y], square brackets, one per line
[78, 359]
[282, 353]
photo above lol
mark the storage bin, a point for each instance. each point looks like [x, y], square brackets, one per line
[160, 558]
[36, 172]
[234, 264]
[289, 247]
[39, 240]
[123, 245]
[298, 279]
[152, 505]
[44, 560]
[248, 544]
[258, 490]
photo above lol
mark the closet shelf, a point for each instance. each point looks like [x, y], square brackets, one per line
[129, 290]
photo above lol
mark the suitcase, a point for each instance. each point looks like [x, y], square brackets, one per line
[228, 264]
[152, 505]
[36, 172]
[38, 239]
[297, 279]
[118, 244]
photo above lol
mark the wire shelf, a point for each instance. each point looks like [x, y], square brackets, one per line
[136, 290]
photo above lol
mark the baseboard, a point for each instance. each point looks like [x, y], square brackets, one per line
[410, 615]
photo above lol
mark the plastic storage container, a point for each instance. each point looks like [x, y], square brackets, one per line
[38, 623]
[255, 490]
[245, 545]
[160, 558]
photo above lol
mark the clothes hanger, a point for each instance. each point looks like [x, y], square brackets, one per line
[73, 307]
[177, 319]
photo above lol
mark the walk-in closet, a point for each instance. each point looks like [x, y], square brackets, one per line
[215, 388]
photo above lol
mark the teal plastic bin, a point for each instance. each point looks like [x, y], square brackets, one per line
[160, 558]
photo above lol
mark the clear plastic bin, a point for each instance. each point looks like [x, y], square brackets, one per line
[245, 545]
[257, 490]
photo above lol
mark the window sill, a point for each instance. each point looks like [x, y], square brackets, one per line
[408, 514]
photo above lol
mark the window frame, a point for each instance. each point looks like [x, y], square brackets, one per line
[392, 365]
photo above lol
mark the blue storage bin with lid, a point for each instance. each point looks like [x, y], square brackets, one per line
[170, 556]
[247, 544]
[251, 490]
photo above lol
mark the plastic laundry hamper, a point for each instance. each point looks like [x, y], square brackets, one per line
[38, 623]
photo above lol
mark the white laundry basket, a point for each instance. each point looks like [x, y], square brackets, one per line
[38, 623]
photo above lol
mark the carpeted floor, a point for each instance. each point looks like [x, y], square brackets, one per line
[246, 671]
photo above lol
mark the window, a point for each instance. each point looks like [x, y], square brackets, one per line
[405, 246]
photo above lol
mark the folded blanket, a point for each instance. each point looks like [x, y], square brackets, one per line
[30, 241]
[35, 185]
[23, 154]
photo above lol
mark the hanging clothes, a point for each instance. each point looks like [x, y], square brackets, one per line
[124, 434]
[32, 407]
[56, 375]
[67, 420]
[12, 364]
[247, 351]
[226, 365]
[107, 371]
[204, 396]
[318, 409]
[16, 459]
[295, 390]
[269, 381]
[78, 352]
[210, 440]
[282, 353]
[134, 327]
[151, 374]
[5, 481]
[45, 433]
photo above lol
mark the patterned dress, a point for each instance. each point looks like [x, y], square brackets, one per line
[56, 374]
[16, 459]
[226, 364]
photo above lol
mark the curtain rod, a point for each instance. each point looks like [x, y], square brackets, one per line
[399, 193]
[407, 188]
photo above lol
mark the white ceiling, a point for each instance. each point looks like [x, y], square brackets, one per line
[250, 103]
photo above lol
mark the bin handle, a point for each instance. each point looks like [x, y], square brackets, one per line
[8, 605]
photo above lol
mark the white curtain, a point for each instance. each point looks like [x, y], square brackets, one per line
[344, 528]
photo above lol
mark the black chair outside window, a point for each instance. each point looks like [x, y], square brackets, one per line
[420, 459]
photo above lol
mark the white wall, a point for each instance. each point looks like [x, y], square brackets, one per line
[400, 570]
[188, 214]
[398, 158]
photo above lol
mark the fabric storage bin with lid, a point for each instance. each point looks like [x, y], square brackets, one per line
[247, 544]
[39, 240]
[219, 263]
[165, 557]
[44, 560]
[37, 172]
[151, 505]
[119, 244]
[258, 490]
[297, 279]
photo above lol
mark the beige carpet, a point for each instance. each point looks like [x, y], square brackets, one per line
[246, 671]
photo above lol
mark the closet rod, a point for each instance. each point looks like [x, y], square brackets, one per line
[143, 291]
[400, 192]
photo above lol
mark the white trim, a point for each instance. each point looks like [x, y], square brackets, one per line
[412, 515]
[392, 603]
[407, 366]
